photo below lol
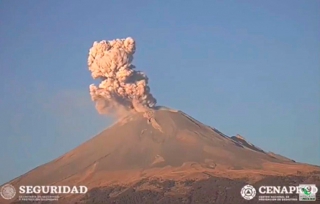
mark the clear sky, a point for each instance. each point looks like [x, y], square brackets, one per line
[247, 67]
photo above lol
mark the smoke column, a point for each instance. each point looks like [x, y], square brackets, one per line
[122, 88]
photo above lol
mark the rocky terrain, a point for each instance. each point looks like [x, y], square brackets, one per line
[167, 157]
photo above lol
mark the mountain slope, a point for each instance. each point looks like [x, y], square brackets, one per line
[170, 146]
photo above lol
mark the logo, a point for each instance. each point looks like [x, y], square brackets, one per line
[307, 192]
[7, 192]
[248, 192]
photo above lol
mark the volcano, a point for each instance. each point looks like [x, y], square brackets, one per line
[168, 158]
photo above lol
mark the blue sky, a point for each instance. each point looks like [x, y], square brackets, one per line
[247, 67]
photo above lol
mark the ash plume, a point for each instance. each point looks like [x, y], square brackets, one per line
[122, 88]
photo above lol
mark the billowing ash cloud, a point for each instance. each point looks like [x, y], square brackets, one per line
[121, 87]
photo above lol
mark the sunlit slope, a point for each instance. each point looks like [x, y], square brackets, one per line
[172, 138]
